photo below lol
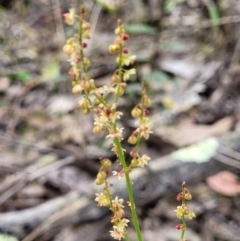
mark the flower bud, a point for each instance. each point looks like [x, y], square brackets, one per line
[188, 196]
[99, 181]
[101, 175]
[114, 48]
[133, 153]
[146, 111]
[136, 112]
[119, 89]
[84, 45]
[86, 62]
[179, 226]
[134, 162]
[125, 51]
[133, 138]
[146, 100]
[68, 49]
[106, 163]
[86, 34]
[77, 89]
[125, 36]
[69, 18]
[86, 26]
[118, 30]
[179, 197]
[97, 129]
[86, 111]
[116, 79]
[118, 41]
[83, 104]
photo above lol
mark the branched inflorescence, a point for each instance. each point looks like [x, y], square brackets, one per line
[106, 116]
[182, 211]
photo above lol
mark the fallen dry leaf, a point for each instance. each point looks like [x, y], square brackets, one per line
[225, 183]
[187, 133]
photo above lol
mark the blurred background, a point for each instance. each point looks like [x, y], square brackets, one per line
[188, 53]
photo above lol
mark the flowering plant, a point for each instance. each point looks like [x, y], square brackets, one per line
[107, 116]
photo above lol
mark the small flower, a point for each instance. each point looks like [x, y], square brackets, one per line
[117, 233]
[115, 133]
[126, 60]
[144, 131]
[117, 203]
[102, 199]
[118, 174]
[123, 223]
[70, 17]
[180, 211]
[128, 73]
[191, 215]
[142, 161]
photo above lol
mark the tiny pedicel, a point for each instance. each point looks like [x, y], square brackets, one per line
[107, 116]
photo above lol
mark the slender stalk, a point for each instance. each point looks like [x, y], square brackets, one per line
[129, 189]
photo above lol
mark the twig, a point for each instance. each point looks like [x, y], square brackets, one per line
[32, 176]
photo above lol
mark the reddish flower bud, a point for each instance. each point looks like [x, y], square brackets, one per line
[84, 45]
[133, 153]
[146, 111]
[179, 196]
[125, 51]
[179, 226]
[125, 36]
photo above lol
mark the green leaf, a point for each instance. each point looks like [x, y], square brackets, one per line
[6, 237]
[23, 75]
[213, 13]
[140, 28]
[133, 88]
[51, 71]
[109, 6]
[156, 79]
[200, 152]
[170, 5]
[174, 46]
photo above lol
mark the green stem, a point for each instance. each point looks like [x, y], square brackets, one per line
[184, 227]
[127, 237]
[129, 189]
[183, 216]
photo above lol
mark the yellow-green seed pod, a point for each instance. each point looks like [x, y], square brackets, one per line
[99, 181]
[106, 163]
[132, 139]
[136, 112]
[134, 162]
[101, 175]
[114, 48]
